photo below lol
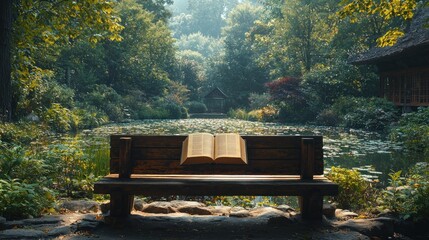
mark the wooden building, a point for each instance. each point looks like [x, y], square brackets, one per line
[215, 101]
[404, 67]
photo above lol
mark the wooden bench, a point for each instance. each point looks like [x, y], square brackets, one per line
[277, 166]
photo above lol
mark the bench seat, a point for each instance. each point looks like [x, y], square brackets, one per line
[214, 185]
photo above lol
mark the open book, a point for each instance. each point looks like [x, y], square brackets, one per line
[226, 148]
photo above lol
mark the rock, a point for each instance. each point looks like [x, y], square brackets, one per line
[328, 210]
[87, 226]
[240, 214]
[195, 210]
[81, 206]
[138, 204]
[59, 231]
[13, 224]
[220, 210]
[376, 227]
[344, 214]
[158, 207]
[285, 208]
[272, 215]
[42, 220]
[21, 234]
[180, 204]
[341, 235]
[258, 212]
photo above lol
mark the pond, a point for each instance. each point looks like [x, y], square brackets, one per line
[367, 152]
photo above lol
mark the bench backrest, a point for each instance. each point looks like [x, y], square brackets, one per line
[267, 155]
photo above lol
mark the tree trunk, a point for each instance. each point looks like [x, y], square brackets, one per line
[5, 60]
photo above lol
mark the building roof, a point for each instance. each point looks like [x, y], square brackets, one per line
[216, 93]
[416, 38]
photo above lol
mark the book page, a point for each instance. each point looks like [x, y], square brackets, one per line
[227, 145]
[200, 144]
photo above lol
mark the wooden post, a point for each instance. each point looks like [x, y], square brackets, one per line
[311, 205]
[307, 158]
[121, 204]
[125, 164]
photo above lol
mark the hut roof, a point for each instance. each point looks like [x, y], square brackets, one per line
[416, 37]
[216, 93]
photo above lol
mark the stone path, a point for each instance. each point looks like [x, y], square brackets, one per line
[193, 220]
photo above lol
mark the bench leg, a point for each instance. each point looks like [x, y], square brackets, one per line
[311, 206]
[121, 204]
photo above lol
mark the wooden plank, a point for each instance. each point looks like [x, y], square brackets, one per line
[215, 186]
[125, 162]
[278, 167]
[307, 158]
[174, 141]
[174, 153]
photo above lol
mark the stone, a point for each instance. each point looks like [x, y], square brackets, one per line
[87, 226]
[340, 235]
[13, 224]
[59, 231]
[376, 227]
[240, 214]
[194, 210]
[80, 205]
[138, 204]
[42, 220]
[158, 207]
[344, 214]
[285, 208]
[271, 215]
[260, 212]
[21, 234]
[220, 210]
[328, 210]
[180, 204]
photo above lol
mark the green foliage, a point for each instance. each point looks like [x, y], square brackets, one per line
[106, 100]
[22, 200]
[257, 101]
[21, 133]
[407, 196]
[61, 119]
[265, 114]
[328, 117]
[387, 10]
[413, 131]
[69, 169]
[196, 107]
[354, 191]
[238, 113]
[235, 201]
[373, 114]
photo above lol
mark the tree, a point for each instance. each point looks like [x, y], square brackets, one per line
[5, 61]
[238, 72]
[388, 10]
[39, 29]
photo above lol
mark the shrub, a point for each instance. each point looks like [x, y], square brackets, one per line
[238, 114]
[258, 101]
[354, 191]
[408, 196]
[107, 100]
[328, 118]
[21, 133]
[373, 114]
[413, 131]
[60, 119]
[90, 118]
[22, 200]
[196, 107]
[265, 114]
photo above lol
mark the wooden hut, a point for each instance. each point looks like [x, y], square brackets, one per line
[215, 101]
[404, 67]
